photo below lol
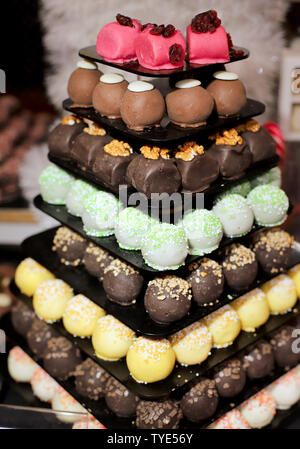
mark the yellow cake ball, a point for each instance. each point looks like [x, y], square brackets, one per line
[252, 309]
[50, 299]
[193, 344]
[150, 360]
[81, 315]
[281, 294]
[294, 274]
[29, 275]
[111, 339]
[224, 325]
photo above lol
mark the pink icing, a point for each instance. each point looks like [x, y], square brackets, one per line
[207, 48]
[115, 42]
[153, 51]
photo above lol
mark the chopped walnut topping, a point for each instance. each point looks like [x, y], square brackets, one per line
[154, 152]
[238, 255]
[70, 120]
[250, 125]
[275, 239]
[94, 129]
[188, 151]
[118, 148]
[227, 137]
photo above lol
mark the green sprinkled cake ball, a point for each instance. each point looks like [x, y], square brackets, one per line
[269, 204]
[77, 196]
[55, 184]
[131, 227]
[100, 213]
[235, 215]
[240, 188]
[272, 176]
[204, 231]
[165, 247]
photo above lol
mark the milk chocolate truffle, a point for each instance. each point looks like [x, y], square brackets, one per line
[260, 142]
[158, 415]
[231, 152]
[120, 400]
[38, 336]
[228, 92]
[142, 106]
[230, 378]
[273, 250]
[259, 360]
[154, 171]
[189, 105]
[108, 94]
[62, 136]
[95, 260]
[22, 318]
[90, 380]
[69, 246]
[207, 281]
[239, 266]
[201, 401]
[198, 169]
[82, 82]
[122, 283]
[168, 299]
[61, 358]
[282, 343]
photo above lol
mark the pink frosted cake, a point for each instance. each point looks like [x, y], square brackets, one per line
[207, 40]
[115, 41]
[160, 47]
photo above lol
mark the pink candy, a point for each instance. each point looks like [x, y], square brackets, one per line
[207, 48]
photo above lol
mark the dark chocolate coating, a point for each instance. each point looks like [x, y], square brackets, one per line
[22, 318]
[119, 400]
[158, 415]
[261, 144]
[233, 160]
[38, 336]
[85, 147]
[201, 401]
[81, 84]
[259, 360]
[61, 358]
[69, 246]
[121, 283]
[61, 139]
[282, 343]
[198, 173]
[153, 175]
[273, 258]
[91, 380]
[230, 378]
[95, 260]
[207, 281]
[239, 272]
[166, 300]
[229, 95]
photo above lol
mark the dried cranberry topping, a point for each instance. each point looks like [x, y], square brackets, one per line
[124, 20]
[165, 31]
[175, 52]
[143, 27]
[235, 53]
[157, 30]
[230, 43]
[169, 30]
[206, 21]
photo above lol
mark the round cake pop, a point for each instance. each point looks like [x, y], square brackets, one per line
[70, 410]
[20, 366]
[22, 318]
[259, 360]
[285, 390]
[259, 410]
[165, 247]
[192, 345]
[272, 176]
[43, 386]
[90, 380]
[100, 213]
[240, 188]
[158, 415]
[239, 266]
[77, 195]
[224, 325]
[201, 401]
[207, 281]
[55, 184]
[167, 299]
[228, 92]
[38, 336]
[252, 309]
[230, 378]
[294, 274]
[269, 204]
[131, 226]
[95, 260]
[150, 360]
[111, 339]
[81, 315]
[69, 246]
[281, 294]
[119, 400]
[231, 420]
[273, 250]
[61, 358]
[82, 83]
[29, 275]
[50, 299]
[235, 215]
[284, 343]
[108, 94]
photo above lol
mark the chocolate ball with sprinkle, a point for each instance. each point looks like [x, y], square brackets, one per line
[239, 266]
[119, 399]
[230, 378]
[201, 401]
[95, 260]
[90, 380]
[158, 415]
[259, 360]
[69, 246]
[22, 318]
[283, 347]
[38, 336]
[207, 281]
[61, 358]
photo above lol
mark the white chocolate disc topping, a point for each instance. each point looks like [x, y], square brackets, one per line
[187, 84]
[225, 76]
[111, 78]
[85, 64]
[140, 86]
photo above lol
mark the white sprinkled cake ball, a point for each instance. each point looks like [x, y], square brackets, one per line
[235, 215]
[272, 176]
[259, 410]
[43, 386]
[269, 204]
[64, 402]
[165, 247]
[20, 366]
[100, 214]
[77, 196]
[55, 184]
[231, 420]
[285, 390]
[131, 227]
[203, 230]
